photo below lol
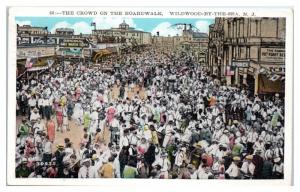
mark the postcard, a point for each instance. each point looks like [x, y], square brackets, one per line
[104, 94]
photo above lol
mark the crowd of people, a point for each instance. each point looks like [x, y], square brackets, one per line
[168, 119]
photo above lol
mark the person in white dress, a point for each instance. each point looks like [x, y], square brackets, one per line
[78, 113]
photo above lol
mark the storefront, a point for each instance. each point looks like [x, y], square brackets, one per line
[267, 86]
[36, 64]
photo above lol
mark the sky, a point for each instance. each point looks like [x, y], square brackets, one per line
[83, 24]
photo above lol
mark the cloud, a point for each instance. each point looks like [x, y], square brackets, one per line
[82, 27]
[79, 27]
[140, 29]
[165, 29]
[21, 23]
[203, 26]
[109, 22]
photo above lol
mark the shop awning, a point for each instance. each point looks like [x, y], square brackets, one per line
[100, 54]
[265, 85]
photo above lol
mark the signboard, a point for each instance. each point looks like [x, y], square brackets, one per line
[38, 68]
[25, 52]
[72, 51]
[272, 54]
[23, 40]
[273, 69]
[240, 64]
[73, 43]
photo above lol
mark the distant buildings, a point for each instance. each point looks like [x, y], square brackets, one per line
[248, 52]
[29, 30]
[38, 42]
[64, 31]
[123, 34]
[194, 43]
[41, 47]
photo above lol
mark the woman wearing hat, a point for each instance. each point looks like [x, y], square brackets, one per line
[86, 171]
[130, 170]
[78, 113]
[34, 115]
[278, 168]
[233, 170]
[154, 135]
[110, 113]
[180, 157]
[51, 130]
[196, 154]
[59, 117]
[65, 125]
[248, 167]
[24, 130]
[107, 169]
[87, 120]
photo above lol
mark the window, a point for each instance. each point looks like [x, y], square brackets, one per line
[256, 27]
[229, 30]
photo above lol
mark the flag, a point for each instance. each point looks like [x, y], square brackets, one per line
[274, 77]
[93, 24]
[230, 71]
[28, 63]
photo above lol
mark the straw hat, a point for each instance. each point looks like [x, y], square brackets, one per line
[59, 146]
[249, 157]
[197, 145]
[85, 160]
[277, 159]
[95, 156]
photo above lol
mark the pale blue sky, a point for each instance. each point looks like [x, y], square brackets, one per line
[82, 24]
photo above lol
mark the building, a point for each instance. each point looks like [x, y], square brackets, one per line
[215, 48]
[26, 34]
[249, 52]
[64, 31]
[29, 30]
[29, 36]
[40, 46]
[123, 34]
[197, 44]
[166, 42]
[192, 42]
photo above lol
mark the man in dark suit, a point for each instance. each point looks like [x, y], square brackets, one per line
[258, 161]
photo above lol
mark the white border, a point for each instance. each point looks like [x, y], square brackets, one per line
[140, 183]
